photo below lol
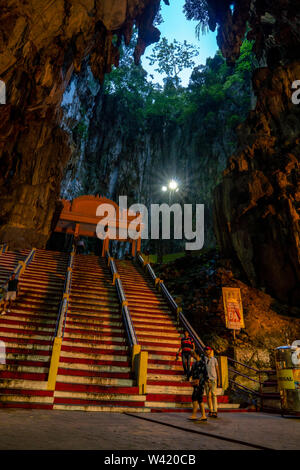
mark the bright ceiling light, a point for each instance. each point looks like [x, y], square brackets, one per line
[173, 185]
[164, 189]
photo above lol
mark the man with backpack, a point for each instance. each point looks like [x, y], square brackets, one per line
[198, 379]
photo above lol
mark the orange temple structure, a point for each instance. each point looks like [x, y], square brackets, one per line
[78, 217]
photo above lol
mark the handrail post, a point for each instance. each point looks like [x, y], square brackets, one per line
[54, 363]
[178, 312]
[223, 366]
[136, 349]
[142, 367]
[3, 248]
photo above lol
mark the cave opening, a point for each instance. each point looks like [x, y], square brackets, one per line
[82, 115]
[172, 116]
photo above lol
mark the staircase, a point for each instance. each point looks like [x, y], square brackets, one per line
[158, 333]
[270, 399]
[94, 370]
[28, 330]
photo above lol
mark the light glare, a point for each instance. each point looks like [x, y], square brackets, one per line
[173, 185]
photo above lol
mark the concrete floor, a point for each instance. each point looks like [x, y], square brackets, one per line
[63, 430]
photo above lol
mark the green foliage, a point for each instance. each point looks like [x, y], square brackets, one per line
[172, 58]
[197, 10]
[217, 98]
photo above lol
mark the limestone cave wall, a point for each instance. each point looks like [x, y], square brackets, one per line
[257, 203]
[41, 45]
[256, 210]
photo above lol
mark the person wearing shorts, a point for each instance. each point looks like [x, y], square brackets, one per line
[11, 295]
[198, 379]
[212, 382]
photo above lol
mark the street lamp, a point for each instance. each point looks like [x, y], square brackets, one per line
[171, 188]
[173, 185]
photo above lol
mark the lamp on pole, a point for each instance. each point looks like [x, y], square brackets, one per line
[172, 187]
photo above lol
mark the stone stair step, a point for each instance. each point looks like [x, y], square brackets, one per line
[115, 343]
[101, 396]
[107, 381]
[20, 319]
[66, 356]
[9, 325]
[94, 345]
[8, 367]
[94, 367]
[95, 408]
[31, 334]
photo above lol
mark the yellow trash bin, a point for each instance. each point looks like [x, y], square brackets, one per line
[288, 376]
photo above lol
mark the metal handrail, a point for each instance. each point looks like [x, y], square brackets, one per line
[180, 316]
[248, 367]
[243, 375]
[30, 256]
[198, 342]
[20, 265]
[257, 371]
[3, 247]
[120, 291]
[63, 309]
[250, 390]
[25, 263]
[131, 334]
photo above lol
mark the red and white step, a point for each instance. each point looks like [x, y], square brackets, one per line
[28, 331]
[94, 369]
[159, 334]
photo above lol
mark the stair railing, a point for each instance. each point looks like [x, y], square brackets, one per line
[60, 324]
[181, 318]
[234, 373]
[22, 265]
[227, 372]
[3, 248]
[139, 358]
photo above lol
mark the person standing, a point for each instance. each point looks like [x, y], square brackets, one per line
[213, 382]
[80, 246]
[12, 291]
[187, 347]
[199, 377]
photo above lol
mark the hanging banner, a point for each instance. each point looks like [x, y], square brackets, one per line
[233, 308]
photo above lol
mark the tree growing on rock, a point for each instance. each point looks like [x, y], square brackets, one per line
[172, 58]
